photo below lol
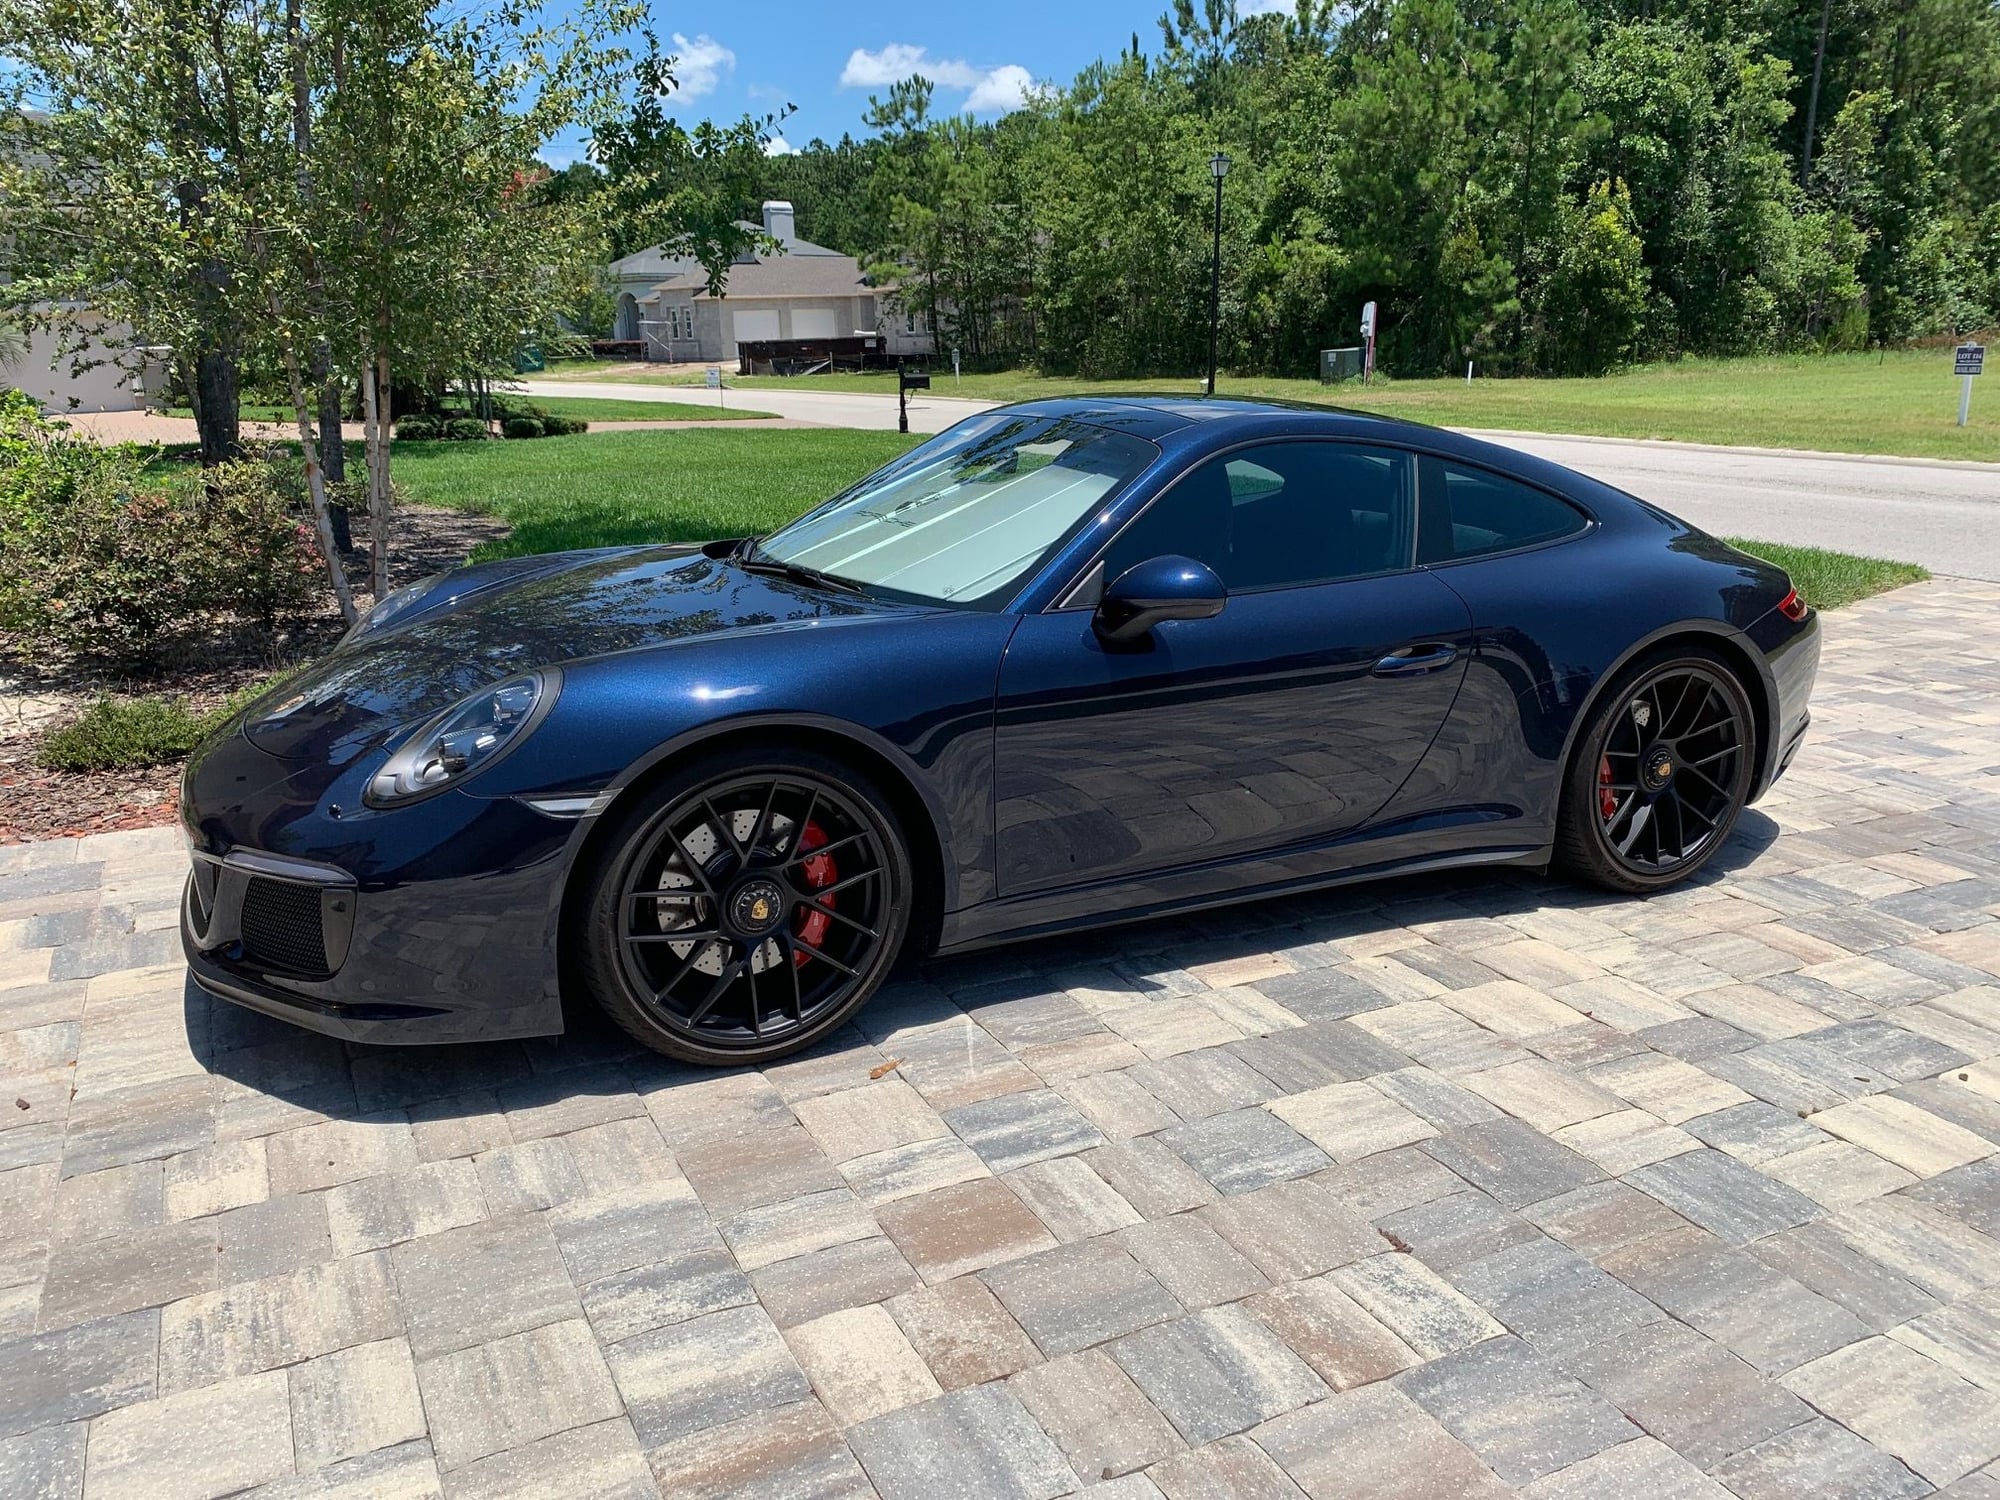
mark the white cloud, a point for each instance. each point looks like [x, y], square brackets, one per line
[899, 60]
[699, 65]
[1004, 88]
[988, 90]
[1265, 7]
[777, 145]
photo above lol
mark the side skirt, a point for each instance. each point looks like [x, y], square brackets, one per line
[1012, 922]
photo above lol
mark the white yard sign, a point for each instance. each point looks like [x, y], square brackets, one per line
[1968, 360]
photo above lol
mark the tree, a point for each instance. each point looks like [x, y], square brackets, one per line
[1418, 226]
[120, 136]
[1597, 290]
[324, 182]
[686, 191]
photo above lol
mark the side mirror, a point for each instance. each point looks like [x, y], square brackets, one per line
[1161, 588]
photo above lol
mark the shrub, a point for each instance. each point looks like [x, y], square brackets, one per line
[98, 559]
[416, 427]
[566, 346]
[117, 734]
[250, 533]
[522, 427]
[564, 426]
[464, 430]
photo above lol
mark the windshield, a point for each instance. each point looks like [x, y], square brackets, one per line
[968, 517]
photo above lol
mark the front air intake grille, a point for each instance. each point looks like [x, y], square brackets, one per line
[282, 926]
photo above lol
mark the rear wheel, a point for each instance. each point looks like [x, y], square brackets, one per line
[747, 906]
[1662, 774]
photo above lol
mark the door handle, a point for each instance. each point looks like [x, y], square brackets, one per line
[1415, 661]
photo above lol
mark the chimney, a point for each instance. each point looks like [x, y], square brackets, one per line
[778, 222]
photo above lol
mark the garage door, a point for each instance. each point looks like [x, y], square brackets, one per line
[754, 326]
[812, 323]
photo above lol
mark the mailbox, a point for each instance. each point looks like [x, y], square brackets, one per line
[908, 380]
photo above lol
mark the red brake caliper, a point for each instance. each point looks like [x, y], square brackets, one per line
[1607, 800]
[820, 871]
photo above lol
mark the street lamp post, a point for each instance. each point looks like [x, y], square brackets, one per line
[1218, 166]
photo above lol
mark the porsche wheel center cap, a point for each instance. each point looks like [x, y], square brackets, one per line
[757, 907]
[1659, 769]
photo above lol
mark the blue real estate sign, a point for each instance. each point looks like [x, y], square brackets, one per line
[1970, 358]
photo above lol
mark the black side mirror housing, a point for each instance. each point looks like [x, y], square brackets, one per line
[1158, 589]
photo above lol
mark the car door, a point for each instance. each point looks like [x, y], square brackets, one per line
[1288, 719]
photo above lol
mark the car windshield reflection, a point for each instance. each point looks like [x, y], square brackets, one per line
[970, 516]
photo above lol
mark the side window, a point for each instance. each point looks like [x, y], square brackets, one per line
[1283, 514]
[1492, 514]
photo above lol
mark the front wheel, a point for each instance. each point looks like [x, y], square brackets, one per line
[746, 907]
[1662, 774]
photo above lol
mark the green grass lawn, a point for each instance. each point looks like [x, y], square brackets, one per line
[600, 409]
[1902, 402]
[590, 408]
[689, 486]
[1827, 580]
[617, 487]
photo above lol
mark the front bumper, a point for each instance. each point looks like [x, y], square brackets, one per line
[398, 981]
[434, 923]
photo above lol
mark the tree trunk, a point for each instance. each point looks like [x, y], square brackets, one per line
[213, 389]
[217, 403]
[332, 453]
[332, 445]
[375, 419]
[316, 485]
[369, 422]
[378, 488]
[1812, 98]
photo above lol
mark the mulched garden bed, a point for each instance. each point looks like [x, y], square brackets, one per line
[35, 696]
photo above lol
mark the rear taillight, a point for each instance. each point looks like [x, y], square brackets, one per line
[1792, 607]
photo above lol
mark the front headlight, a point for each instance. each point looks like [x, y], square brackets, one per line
[464, 740]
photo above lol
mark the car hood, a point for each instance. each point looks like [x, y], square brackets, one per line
[581, 605]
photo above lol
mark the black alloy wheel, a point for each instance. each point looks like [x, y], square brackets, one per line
[747, 910]
[1662, 776]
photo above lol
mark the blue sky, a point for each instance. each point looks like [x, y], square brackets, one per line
[828, 57]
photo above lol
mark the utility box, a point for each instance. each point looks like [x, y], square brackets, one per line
[1336, 365]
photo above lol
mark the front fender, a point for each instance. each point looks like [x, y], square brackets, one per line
[917, 694]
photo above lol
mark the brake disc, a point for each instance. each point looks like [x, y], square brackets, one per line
[703, 844]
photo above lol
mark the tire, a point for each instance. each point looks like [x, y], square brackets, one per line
[1661, 773]
[745, 906]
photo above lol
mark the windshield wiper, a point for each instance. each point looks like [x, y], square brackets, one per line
[749, 558]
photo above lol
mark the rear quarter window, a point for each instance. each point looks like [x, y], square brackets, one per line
[1489, 513]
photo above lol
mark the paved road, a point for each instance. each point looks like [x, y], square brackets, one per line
[1477, 1186]
[1944, 516]
[826, 408]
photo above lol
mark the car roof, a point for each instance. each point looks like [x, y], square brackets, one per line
[1187, 427]
[1160, 417]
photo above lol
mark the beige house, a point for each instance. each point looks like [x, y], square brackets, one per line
[634, 276]
[115, 380]
[791, 309]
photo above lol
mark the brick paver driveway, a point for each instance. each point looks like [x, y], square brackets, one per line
[1451, 1187]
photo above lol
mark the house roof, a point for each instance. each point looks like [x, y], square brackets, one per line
[653, 262]
[794, 275]
[649, 262]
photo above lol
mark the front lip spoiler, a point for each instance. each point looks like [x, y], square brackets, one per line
[367, 1022]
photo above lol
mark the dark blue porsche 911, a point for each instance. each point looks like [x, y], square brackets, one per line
[1071, 662]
